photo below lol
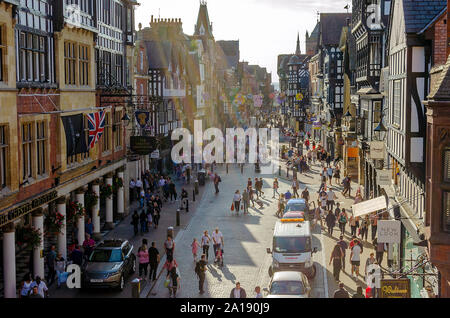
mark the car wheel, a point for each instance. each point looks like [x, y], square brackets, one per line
[133, 266]
[121, 283]
[313, 272]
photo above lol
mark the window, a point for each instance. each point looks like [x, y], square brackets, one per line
[84, 65]
[3, 52]
[70, 62]
[3, 155]
[27, 150]
[397, 102]
[119, 68]
[32, 58]
[142, 61]
[446, 212]
[41, 141]
[118, 129]
[107, 133]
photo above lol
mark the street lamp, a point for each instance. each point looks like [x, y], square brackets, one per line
[126, 119]
[380, 131]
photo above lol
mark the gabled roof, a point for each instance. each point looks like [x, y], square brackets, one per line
[419, 13]
[440, 90]
[331, 26]
[231, 51]
[203, 19]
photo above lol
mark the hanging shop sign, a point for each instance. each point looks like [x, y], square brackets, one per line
[395, 288]
[27, 207]
[155, 154]
[389, 231]
[142, 145]
[384, 177]
[352, 153]
[377, 150]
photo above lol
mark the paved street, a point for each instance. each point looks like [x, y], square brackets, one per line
[246, 239]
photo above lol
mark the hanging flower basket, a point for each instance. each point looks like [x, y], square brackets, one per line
[90, 199]
[106, 191]
[76, 210]
[27, 237]
[53, 222]
[118, 182]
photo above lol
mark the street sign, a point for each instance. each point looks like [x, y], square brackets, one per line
[389, 231]
[395, 288]
[142, 145]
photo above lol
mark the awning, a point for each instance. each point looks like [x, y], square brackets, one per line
[369, 206]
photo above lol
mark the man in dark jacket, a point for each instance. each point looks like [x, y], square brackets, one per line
[331, 222]
[135, 222]
[238, 292]
[341, 292]
[77, 256]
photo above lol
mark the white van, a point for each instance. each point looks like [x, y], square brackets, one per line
[292, 250]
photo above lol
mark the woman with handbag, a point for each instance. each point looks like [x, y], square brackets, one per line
[237, 201]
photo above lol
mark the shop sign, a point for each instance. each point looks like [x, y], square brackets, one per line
[155, 154]
[142, 145]
[384, 177]
[352, 152]
[395, 288]
[388, 231]
[377, 150]
[27, 207]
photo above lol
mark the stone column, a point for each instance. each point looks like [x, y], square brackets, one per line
[120, 196]
[95, 212]
[38, 252]
[9, 261]
[62, 236]
[109, 204]
[80, 220]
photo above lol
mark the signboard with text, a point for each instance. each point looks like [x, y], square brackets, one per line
[142, 145]
[395, 288]
[384, 177]
[377, 150]
[388, 231]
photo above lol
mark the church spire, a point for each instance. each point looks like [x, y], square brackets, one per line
[297, 50]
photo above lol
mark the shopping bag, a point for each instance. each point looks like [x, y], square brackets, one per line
[166, 283]
[62, 277]
[232, 207]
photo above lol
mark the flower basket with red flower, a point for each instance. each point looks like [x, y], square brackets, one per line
[28, 237]
[106, 191]
[76, 210]
[53, 222]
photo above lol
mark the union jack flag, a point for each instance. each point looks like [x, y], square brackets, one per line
[96, 122]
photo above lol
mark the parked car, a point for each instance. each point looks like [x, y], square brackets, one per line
[109, 264]
[289, 285]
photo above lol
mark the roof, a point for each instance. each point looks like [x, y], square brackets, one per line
[419, 13]
[440, 89]
[231, 51]
[331, 26]
[203, 19]
[292, 229]
[295, 59]
[158, 54]
[287, 275]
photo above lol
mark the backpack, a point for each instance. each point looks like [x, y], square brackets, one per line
[342, 219]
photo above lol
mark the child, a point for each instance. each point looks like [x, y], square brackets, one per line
[195, 245]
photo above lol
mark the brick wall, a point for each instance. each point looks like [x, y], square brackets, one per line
[440, 41]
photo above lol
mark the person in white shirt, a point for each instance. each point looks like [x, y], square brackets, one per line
[138, 188]
[41, 286]
[217, 239]
[331, 196]
[132, 188]
[295, 186]
[237, 201]
[355, 258]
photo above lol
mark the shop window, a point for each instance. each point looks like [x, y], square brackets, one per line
[4, 162]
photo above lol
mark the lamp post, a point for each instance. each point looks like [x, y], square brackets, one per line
[380, 131]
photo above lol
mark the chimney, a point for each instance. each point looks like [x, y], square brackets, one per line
[151, 21]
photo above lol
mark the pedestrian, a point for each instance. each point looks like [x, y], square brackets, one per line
[89, 227]
[295, 186]
[344, 247]
[371, 260]
[343, 219]
[353, 225]
[249, 183]
[205, 244]
[26, 286]
[305, 195]
[288, 195]
[330, 174]
[337, 174]
[195, 245]
[77, 255]
[331, 222]
[238, 292]
[359, 293]
[281, 206]
[153, 260]
[364, 228]
[331, 196]
[217, 180]
[172, 190]
[132, 189]
[275, 188]
[336, 258]
[260, 185]
[138, 188]
[380, 248]
[170, 263]
[237, 202]
[217, 238]
[258, 292]
[135, 222]
[200, 269]
[156, 214]
[173, 277]
[245, 200]
[42, 288]
[143, 258]
[143, 221]
[60, 267]
[317, 217]
[169, 246]
[51, 257]
[341, 292]
[355, 260]
[374, 225]
[337, 211]
[34, 293]
[88, 245]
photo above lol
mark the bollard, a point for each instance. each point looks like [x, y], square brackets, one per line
[196, 187]
[178, 217]
[193, 195]
[287, 172]
[135, 288]
[242, 168]
[227, 168]
[279, 170]
[187, 205]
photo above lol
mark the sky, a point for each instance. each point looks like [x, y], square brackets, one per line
[264, 28]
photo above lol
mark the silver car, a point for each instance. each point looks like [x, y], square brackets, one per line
[289, 285]
[109, 264]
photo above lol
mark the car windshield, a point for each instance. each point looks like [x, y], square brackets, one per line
[100, 255]
[291, 244]
[287, 288]
[298, 206]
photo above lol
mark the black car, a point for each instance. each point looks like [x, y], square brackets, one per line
[109, 264]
